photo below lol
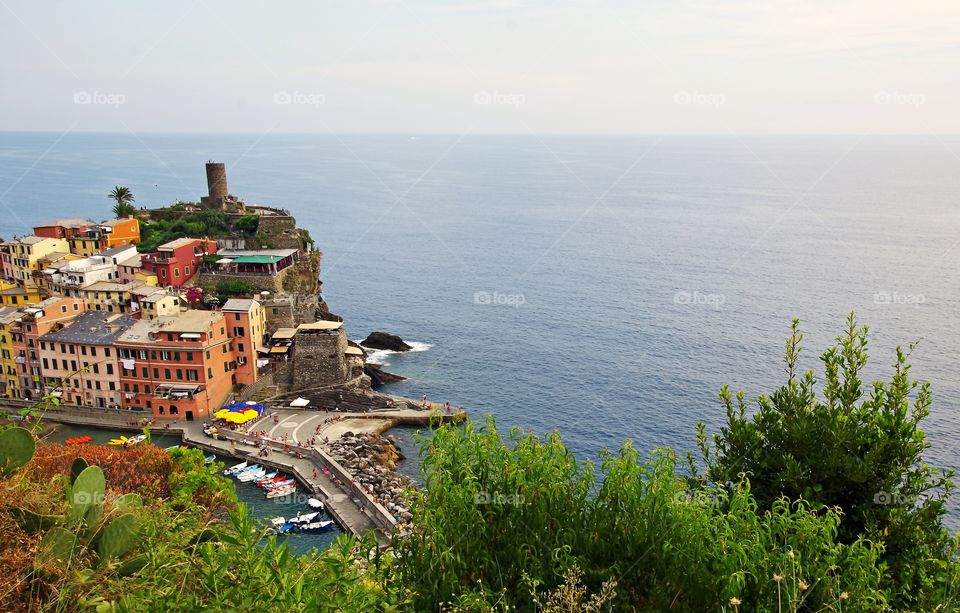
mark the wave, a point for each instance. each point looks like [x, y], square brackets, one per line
[380, 356]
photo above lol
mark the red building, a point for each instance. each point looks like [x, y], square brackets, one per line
[177, 366]
[63, 228]
[175, 262]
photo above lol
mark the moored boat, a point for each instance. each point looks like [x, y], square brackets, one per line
[267, 478]
[303, 519]
[235, 468]
[279, 492]
[276, 484]
[317, 526]
[251, 475]
[209, 459]
[118, 442]
[135, 440]
[313, 503]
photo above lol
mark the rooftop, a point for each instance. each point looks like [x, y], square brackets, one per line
[109, 286]
[239, 253]
[67, 223]
[177, 243]
[115, 251]
[114, 222]
[8, 315]
[91, 328]
[191, 322]
[133, 261]
[238, 304]
[320, 326]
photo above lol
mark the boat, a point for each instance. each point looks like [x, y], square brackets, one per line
[313, 503]
[209, 459]
[251, 475]
[135, 440]
[285, 483]
[303, 519]
[281, 529]
[317, 526]
[172, 447]
[268, 480]
[279, 492]
[247, 469]
[267, 477]
[234, 469]
[118, 442]
[278, 521]
[80, 440]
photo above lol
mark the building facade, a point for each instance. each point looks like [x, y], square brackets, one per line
[35, 321]
[247, 326]
[174, 263]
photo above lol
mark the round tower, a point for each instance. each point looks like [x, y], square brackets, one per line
[216, 181]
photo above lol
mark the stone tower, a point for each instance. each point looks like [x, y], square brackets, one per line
[218, 195]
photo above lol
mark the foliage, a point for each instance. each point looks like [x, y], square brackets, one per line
[247, 224]
[193, 482]
[229, 288]
[16, 449]
[857, 449]
[174, 225]
[123, 199]
[194, 295]
[143, 469]
[500, 520]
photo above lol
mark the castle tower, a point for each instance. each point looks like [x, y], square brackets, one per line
[217, 182]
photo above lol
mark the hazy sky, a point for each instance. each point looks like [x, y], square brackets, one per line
[824, 66]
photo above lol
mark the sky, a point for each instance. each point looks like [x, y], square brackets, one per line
[483, 66]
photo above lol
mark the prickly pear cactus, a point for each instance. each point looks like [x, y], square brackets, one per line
[35, 522]
[86, 497]
[16, 448]
[118, 537]
[77, 467]
[57, 545]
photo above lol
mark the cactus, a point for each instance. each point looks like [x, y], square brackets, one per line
[118, 537]
[133, 565]
[16, 448]
[35, 522]
[57, 544]
[77, 467]
[128, 502]
[86, 499]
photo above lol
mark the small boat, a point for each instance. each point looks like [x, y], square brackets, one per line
[281, 529]
[274, 479]
[275, 485]
[317, 526]
[251, 475]
[303, 519]
[234, 469]
[209, 459]
[80, 440]
[135, 440]
[313, 503]
[247, 469]
[172, 447]
[267, 477]
[278, 521]
[279, 492]
[118, 442]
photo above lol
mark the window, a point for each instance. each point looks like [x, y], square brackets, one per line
[179, 374]
[83, 349]
[126, 387]
[176, 272]
[189, 356]
[226, 367]
[146, 373]
[93, 352]
[165, 356]
[106, 352]
[209, 373]
[236, 316]
[166, 374]
[163, 273]
[113, 386]
[192, 375]
[238, 331]
[240, 347]
[156, 373]
[96, 369]
[186, 270]
[109, 369]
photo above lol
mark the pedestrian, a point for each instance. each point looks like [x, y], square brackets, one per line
[315, 472]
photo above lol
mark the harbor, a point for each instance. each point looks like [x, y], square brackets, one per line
[279, 440]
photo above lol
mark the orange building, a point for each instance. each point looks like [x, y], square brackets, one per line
[177, 366]
[247, 326]
[51, 314]
[121, 232]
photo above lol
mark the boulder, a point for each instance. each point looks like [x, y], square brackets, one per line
[383, 340]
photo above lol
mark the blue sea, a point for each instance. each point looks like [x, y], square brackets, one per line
[603, 286]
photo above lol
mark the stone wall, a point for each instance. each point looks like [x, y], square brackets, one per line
[280, 376]
[319, 359]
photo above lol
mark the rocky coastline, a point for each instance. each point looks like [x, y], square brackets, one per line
[372, 460]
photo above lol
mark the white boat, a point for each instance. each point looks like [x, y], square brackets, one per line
[316, 526]
[303, 519]
[247, 469]
[313, 503]
[252, 475]
[272, 486]
[267, 476]
[135, 440]
[278, 521]
[235, 468]
[282, 491]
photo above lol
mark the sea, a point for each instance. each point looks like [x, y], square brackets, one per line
[602, 286]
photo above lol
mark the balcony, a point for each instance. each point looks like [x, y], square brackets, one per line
[177, 391]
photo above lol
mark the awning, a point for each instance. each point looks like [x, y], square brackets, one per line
[283, 333]
[321, 325]
[351, 350]
[279, 349]
[224, 261]
[300, 402]
[189, 335]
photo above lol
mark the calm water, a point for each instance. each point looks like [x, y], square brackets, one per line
[604, 286]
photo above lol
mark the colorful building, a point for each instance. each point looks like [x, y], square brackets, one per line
[119, 232]
[177, 261]
[79, 362]
[247, 326]
[9, 381]
[26, 253]
[35, 321]
[70, 277]
[62, 228]
[153, 302]
[109, 297]
[175, 367]
[13, 295]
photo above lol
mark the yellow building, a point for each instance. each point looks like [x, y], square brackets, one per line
[13, 296]
[26, 254]
[155, 302]
[109, 297]
[9, 381]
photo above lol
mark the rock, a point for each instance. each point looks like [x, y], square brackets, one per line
[382, 340]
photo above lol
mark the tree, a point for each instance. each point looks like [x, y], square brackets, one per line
[856, 449]
[124, 199]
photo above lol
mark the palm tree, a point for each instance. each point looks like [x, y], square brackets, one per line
[123, 197]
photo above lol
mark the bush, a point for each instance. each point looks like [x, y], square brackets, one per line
[235, 287]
